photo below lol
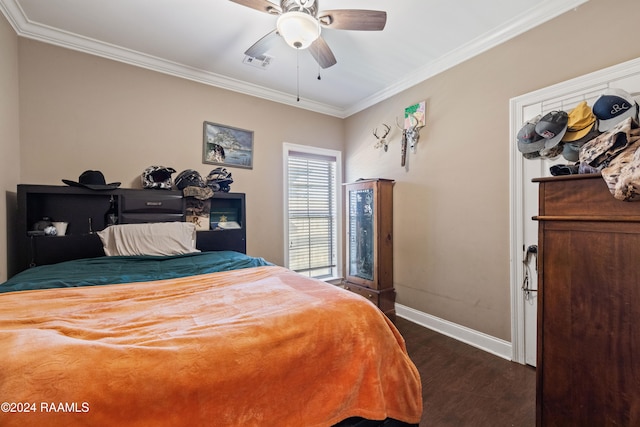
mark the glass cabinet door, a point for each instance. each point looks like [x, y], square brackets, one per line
[361, 244]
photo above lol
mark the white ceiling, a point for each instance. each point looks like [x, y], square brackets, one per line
[205, 40]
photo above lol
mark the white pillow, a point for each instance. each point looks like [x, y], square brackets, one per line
[160, 238]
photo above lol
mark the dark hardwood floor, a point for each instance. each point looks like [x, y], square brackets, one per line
[464, 386]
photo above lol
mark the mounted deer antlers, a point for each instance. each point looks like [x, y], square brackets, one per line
[413, 133]
[410, 136]
[382, 142]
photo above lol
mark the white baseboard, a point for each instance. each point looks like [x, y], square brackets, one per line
[469, 336]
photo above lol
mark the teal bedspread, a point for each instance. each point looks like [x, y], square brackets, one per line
[126, 269]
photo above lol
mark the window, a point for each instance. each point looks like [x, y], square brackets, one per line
[312, 207]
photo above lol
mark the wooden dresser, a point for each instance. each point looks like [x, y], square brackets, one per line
[588, 360]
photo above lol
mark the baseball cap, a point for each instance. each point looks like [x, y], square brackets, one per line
[612, 107]
[528, 140]
[553, 152]
[580, 122]
[552, 127]
[571, 152]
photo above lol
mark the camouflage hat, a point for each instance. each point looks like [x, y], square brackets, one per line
[200, 193]
[553, 152]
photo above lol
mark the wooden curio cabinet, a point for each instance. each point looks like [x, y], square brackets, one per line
[369, 267]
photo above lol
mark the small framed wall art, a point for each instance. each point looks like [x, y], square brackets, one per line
[227, 146]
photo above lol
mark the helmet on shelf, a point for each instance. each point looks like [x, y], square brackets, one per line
[220, 179]
[189, 178]
[157, 177]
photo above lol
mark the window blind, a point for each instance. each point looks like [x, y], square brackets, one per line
[312, 214]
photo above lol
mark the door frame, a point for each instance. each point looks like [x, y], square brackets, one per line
[570, 89]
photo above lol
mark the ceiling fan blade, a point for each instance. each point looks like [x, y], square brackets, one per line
[353, 19]
[321, 51]
[263, 45]
[261, 5]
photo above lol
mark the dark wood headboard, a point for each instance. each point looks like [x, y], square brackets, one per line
[85, 209]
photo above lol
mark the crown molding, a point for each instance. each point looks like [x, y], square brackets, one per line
[25, 28]
[525, 22]
[532, 18]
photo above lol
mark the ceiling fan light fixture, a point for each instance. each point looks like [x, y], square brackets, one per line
[298, 29]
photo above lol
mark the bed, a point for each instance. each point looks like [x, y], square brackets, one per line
[199, 338]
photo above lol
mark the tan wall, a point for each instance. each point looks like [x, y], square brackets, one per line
[451, 204]
[82, 112]
[451, 220]
[9, 135]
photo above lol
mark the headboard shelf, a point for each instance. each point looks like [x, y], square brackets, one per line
[84, 211]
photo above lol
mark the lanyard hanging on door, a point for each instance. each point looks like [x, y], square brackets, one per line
[530, 253]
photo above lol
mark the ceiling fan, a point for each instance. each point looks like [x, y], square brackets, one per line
[299, 24]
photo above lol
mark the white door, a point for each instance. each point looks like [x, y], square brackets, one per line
[524, 193]
[529, 275]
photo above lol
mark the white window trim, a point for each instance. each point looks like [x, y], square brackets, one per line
[286, 148]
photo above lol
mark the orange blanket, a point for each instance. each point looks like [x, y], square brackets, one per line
[255, 347]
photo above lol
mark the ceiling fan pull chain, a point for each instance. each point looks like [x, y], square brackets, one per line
[298, 74]
[318, 55]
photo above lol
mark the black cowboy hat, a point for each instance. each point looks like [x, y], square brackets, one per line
[93, 180]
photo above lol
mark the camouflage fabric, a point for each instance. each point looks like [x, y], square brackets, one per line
[201, 193]
[553, 152]
[599, 152]
[622, 175]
